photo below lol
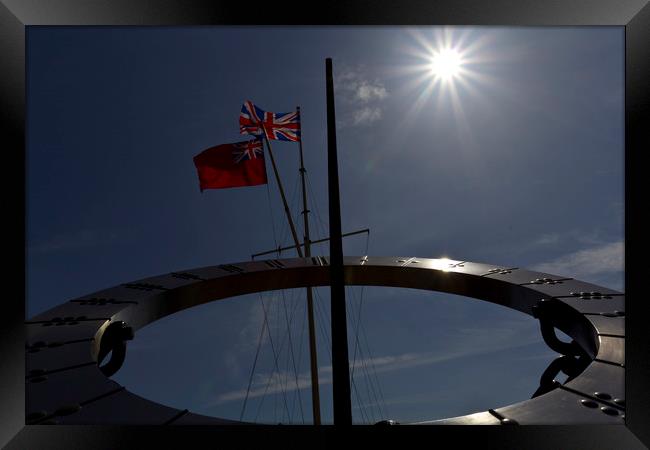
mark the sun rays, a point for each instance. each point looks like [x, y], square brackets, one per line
[442, 70]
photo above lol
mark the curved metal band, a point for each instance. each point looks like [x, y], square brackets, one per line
[65, 385]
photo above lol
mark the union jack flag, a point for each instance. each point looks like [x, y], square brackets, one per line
[278, 126]
[244, 151]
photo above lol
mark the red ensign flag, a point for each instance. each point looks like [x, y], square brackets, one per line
[231, 165]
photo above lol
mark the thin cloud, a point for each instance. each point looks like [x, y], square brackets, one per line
[249, 334]
[366, 116]
[591, 238]
[367, 92]
[361, 97]
[248, 337]
[474, 341]
[602, 259]
[548, 239]
[279, 382]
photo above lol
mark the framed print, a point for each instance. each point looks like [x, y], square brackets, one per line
[156, 143]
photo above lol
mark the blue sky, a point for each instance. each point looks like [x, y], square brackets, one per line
[517, 163]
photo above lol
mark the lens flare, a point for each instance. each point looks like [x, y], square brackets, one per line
[442, 69]
[446, 63]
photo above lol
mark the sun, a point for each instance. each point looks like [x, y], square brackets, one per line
[447, 72]
[446, 64]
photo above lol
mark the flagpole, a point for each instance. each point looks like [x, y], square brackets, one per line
[284, 199]
[315, 395]
[340, 363]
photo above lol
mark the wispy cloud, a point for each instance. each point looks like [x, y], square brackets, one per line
[472, 341]
[248, 337]
[247, 340]
[601, 259]
[547, 239]
[268, 384]
[592, 238]
[547, 355]
[361, 97]
[366, 115]
[556, 244]
[366, 92]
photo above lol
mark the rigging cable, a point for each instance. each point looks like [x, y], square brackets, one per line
[265, 321]
[374, 369]
[250, 380]
[370, 356]
[381, 405]
[354, 384]
[276, 365]
[293, 359]
[276, 355]
[283, 382]
[370, 389]
[288, 322]
[358, 342]
[300, 352]
[266, 318]
[320, 310]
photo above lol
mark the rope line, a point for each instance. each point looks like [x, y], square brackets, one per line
[376, 379]
[325, 318]
[275, 314]
[352, 323]
[276, 356]
[293, 359]
[277, 360]
[358, 398]
[381, 404]
[359, 350]
[300, 348]
[265, 321]
[250, 380]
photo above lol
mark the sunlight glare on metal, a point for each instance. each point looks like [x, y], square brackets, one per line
[443, 264]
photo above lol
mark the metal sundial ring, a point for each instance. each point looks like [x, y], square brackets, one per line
[64, 383]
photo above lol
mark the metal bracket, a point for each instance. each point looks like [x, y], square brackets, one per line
[545, 311]
[114, 342]
[568, 365]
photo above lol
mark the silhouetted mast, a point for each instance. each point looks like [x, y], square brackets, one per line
[313, 359]
[340, 362]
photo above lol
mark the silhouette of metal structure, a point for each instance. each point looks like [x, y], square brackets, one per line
[66, 383]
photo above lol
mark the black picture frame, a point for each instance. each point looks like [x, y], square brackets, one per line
[16, 15]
